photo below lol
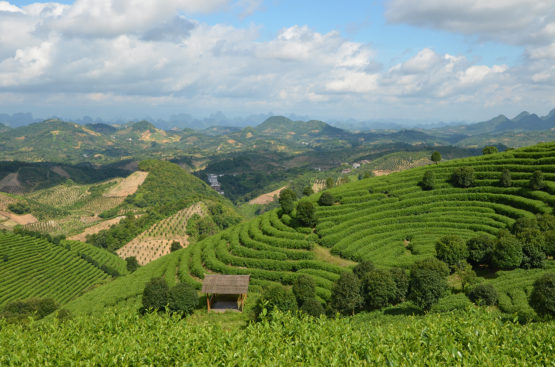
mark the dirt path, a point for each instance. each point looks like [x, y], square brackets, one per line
[128, 186]
[96, 228]
[266, 198]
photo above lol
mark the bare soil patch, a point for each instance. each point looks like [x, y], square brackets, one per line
[96, 228]
[267, 198]
[59, 170]
[128, 186]
[19, 219]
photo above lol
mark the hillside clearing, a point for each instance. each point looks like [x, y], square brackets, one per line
[96, 228]
[267, 198]
[128, 185]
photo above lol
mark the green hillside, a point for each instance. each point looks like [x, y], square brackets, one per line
[32, 267]
[389, 220]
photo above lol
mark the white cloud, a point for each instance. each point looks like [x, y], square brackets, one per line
[139, 53]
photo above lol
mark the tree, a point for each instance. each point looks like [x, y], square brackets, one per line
[275, 297]
[426, 287]
[326, 199]
[428, 181]
[19, 208]
[489, 149]
[466, 274]
[304, 288]
[523, 225]
[436, 157]
[345, 295]
[306, 214]
[287, 199]
[312, 307]
[131, 263]
[183, 298]
[307, 191]
[537, 181]
[463, 177]
[432, 264]
[330, 182]
[156, 294]
[483, 295]
[480, 249]
[533, 255]
[507, 252]
[362, 268]
[378, 289]
[505, 179]
[546, 222]
[401, 280]
[549, 244]
[175, 246]
[542, 298]
[451, 250]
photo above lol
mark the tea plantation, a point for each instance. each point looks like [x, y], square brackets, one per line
[391, 221]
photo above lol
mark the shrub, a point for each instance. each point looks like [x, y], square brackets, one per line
[345, 294]
[183, 298]
[483, 295]
[131, 263]
[426, 287]
[537, 181]
[542, 298]
[463, 177]
[549, 244]
[306, 214]
[64, 315]
[362, 268]
[451, 250]
[156, 294]
[546, 222]
[32, 307]
[489, 149]
[507, 252]
[19, 208]
[326, 199]
[275, 297]
[436, 157]
[378, 289]
[287, 199]
[505, 179]
[432, 264]
[303, 288]
[307, 191]
[428, 181]
[480, 249]
[312, 307]
[466, 274]
[532, 254]
[401, 279]
[175, 246]
[330, 182]
[524, 224]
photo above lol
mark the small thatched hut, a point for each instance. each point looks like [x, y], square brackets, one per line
[227, 285]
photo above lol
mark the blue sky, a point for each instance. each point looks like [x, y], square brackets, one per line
[431, 60]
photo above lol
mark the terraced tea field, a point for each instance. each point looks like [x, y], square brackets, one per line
[377, 214]
[389, 220]
[156, 241]
[31, 267]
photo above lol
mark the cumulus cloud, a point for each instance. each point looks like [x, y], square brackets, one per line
[132, 52]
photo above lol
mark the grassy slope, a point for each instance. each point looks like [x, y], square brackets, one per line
[366, 225]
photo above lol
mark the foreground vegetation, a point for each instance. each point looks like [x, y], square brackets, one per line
[468, 337]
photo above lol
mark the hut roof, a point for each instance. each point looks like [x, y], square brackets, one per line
[225, 284]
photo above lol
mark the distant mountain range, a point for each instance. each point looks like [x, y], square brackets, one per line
[59, 141]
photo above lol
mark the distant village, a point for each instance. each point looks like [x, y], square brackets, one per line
[214, 183]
